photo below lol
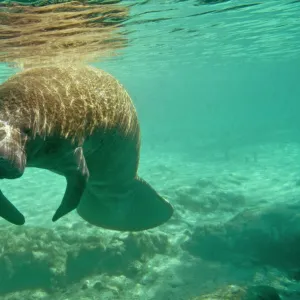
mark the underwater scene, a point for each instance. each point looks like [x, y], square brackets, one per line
[150, 150]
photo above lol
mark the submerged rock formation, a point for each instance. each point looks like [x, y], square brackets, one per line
[233, 292]
[267, 236]
[45, 260]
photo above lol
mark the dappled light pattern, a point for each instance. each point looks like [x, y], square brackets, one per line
[55, 33]
[93, 95]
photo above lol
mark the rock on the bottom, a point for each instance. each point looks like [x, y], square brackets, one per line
[268, 236]
[234, 292]
[47, 260]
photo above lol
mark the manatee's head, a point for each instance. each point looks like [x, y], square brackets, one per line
[12, 151]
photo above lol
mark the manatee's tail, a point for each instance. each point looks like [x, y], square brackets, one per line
[137, 207]
[9, 212]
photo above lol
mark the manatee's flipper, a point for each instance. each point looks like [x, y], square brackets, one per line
[9, 212]
[135, 207]
[76, 183]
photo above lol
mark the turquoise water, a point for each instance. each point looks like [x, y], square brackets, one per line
[216, 87]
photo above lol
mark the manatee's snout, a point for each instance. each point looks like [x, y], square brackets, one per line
[12, 156]
[12, 164]
[10, 169]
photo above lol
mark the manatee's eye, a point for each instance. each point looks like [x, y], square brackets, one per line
[27, 131]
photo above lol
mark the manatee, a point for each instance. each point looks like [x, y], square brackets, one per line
[78, 122]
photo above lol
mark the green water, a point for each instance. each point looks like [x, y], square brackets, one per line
[216, 87]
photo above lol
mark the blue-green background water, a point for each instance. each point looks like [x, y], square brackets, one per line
[225, 69]
[216, 86]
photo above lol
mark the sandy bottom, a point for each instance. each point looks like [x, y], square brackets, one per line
[205, 188]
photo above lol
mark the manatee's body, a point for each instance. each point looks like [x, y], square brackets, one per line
[78, 122]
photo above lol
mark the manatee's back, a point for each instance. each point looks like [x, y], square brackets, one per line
[72, 100]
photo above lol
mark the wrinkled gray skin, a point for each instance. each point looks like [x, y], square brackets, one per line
[80, 123]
